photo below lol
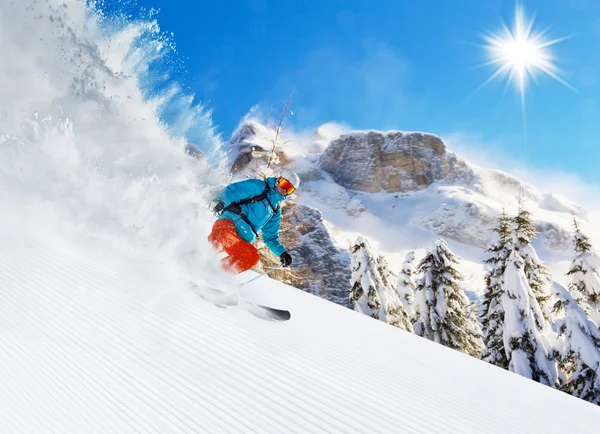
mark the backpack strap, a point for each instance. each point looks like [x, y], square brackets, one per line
[255, 199]
[274, 209]
[236, 208]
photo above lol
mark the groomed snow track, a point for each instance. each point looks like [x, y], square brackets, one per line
[93, 339]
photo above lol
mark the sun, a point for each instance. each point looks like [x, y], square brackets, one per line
[520, 53]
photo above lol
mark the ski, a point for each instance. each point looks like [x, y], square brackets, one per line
[267, 312]
[224, 299]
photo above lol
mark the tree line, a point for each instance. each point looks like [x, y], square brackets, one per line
[525, 322]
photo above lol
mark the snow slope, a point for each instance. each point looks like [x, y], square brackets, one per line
[95, 339]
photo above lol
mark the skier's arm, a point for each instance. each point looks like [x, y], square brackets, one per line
[240, 190]
[270, 234]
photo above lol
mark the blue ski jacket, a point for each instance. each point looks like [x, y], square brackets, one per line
[264, 215]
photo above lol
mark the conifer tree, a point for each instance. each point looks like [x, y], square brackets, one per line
[405, 286]
[580, 352]
[387, 277]
[577, 322]
[396, 314]
[442, 307]
[584, 272]
[363, 292]
[368, 291]
[492, 316]
[535, 270]
[528, 352]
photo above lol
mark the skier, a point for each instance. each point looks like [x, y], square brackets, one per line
[245, 208]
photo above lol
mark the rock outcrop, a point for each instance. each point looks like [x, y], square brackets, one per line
[394, 161]
[320, 267]
[250, 147]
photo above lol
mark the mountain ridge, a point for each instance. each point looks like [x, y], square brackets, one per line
[461, 207]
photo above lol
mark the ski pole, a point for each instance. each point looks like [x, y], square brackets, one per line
[268, 271]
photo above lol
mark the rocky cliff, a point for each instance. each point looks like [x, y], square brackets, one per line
[320, 266]
[391, 161]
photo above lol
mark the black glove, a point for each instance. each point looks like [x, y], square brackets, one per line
[217, 206]
[286, 259]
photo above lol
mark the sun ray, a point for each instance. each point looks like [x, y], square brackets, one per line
[518, 53]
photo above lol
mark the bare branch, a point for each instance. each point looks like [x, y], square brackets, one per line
[286, 108]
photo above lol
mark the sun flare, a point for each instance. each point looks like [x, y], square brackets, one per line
[521, 52]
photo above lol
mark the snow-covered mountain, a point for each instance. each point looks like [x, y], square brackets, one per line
[401, 190]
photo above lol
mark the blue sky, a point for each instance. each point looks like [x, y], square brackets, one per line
[394, 64]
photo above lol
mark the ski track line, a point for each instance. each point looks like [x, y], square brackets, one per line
[261, 385]
[131, 344]
[56, 382]
[313, 427]
[93, 384]
[52, 381]
[349, 415]
[220, 317]
[16, 391]
[89, 380]
[430, 386]
[50, 301]
[308, 409]
[283, 381]
[446, 403]
[134, 384]
[166, 417]
[19, 389]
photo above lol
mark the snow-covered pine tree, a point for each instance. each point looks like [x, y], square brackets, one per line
[363, 292]
[528, 352]
[492, 315]
[369, 293]
[580, 352]
[405, 286]
[536, 271]
[396, 314]
[387, 277]
[473, 320]
[442, 307]
[584, 272]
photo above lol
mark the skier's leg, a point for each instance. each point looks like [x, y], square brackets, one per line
[242, 254]
[223, 235]
[242, 257]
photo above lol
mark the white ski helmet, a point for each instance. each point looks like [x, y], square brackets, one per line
[291, 176]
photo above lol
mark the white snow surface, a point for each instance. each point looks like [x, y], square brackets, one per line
[97, 339]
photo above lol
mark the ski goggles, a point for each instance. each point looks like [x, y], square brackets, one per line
[286, 185]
